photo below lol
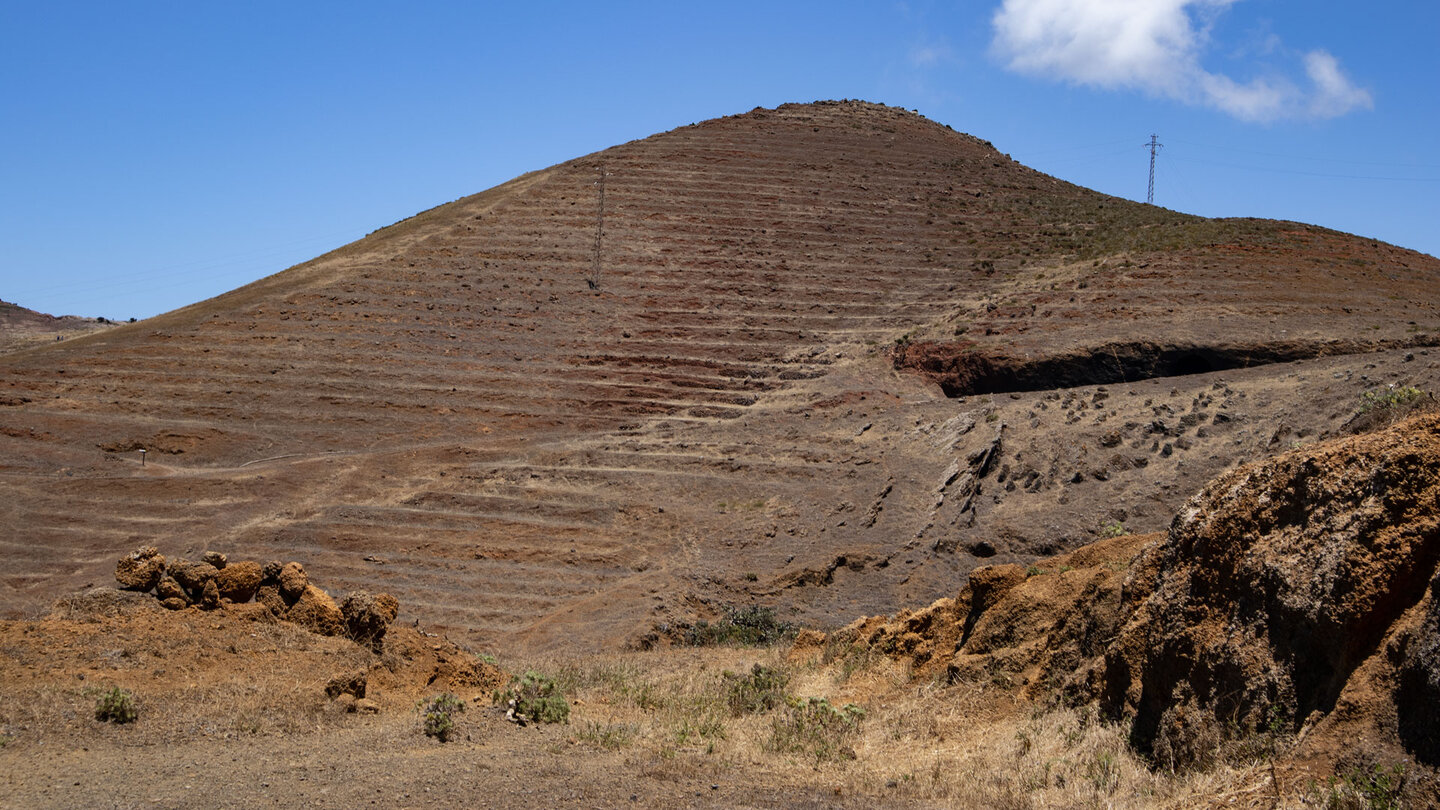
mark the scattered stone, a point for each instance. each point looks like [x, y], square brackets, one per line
[367, 706]
[175, 603]
[141, 569]
[352, 684]
[168, 588]
[368, 617]
[215, 558]
[239, 582]
[270, 572]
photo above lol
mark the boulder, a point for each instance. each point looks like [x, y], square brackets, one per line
[168, 588]
[293, 581]
[368, 617]
[192, 576]
[238, 582]
[141, 569]
[269, 596]
[352, 684]
[317, 612]
[210, 595]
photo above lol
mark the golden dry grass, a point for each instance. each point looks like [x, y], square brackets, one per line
[919, 742]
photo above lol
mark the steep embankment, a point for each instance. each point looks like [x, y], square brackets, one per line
[1294, 600]
[629, 388]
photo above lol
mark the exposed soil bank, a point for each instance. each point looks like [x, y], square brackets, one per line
[962, 370]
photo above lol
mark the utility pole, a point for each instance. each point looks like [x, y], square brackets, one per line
[1154, 148]
[594, 280]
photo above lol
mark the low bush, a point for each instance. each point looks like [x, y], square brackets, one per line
[750, 626]
[537, 698]
[813, 726]
[760, 691]
[436, 715]
[116, 706]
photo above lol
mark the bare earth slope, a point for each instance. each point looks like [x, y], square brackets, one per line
[682, 372]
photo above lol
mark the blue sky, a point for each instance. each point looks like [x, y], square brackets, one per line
[153, 154]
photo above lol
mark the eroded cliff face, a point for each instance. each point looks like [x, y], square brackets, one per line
[1275, 584]
[1293, 598]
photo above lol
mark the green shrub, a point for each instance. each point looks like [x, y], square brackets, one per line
[537, 697]
[760, 691]
[812, 726]
[1382, 407]
[1390, 397]
[750, 626]
[116, 706]
[1113, 529]
[1376, 789]
[436, 715]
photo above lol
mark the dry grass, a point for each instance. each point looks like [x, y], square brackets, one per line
[963, 746]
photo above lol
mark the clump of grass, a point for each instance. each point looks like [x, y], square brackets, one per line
[1113, 529]
[760, 691]
[536, 698]
[608, 737]
[437, 715]
[750, 626]
[814, 727]
[116, 706]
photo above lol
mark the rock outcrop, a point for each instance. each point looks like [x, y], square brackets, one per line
[281, 592]
[1295, 598]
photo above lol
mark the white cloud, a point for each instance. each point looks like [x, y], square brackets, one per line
[1155, 46]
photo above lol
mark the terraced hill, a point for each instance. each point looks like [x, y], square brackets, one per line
[827, 357]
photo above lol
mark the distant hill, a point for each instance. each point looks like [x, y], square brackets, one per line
[22, 328]
[826, 358]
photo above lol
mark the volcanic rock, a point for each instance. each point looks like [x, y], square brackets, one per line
[192, 576]
[1275, 583]
[368, 616]
[293, 581]
[141, 569]
[316, 611]
[239, 581]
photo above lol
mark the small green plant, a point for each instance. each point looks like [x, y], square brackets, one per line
[760, 691]
[1390, 397]
[1376, 789]
[116, 706]
[537, 698]
[1114, 529]
[487, 658]
[751, 576]
[1033, 571]
[813, 726]
[437, 715]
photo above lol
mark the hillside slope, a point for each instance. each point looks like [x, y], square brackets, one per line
[706, 367]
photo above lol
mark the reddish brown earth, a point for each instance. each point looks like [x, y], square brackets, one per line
[556, 415]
